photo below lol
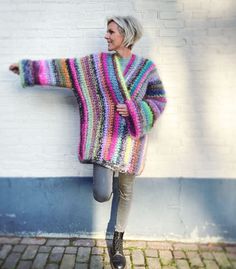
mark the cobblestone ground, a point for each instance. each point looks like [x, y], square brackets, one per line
[68, 253]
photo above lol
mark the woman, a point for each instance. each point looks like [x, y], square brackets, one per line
[120, 96]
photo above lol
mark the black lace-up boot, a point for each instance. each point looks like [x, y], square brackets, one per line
[117, 256]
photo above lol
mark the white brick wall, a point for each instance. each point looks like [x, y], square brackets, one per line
[193, 44]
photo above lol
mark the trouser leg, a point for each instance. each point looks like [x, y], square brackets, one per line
[102, 183]
[126, 183]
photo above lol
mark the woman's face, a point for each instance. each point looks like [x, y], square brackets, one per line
[114, 37]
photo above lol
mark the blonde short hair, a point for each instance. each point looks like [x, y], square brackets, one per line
[129, 27]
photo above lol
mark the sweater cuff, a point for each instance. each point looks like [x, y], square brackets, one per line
[26, 73]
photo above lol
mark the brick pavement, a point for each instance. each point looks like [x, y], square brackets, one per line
[68, 253]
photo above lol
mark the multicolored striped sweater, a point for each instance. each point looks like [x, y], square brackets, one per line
[99, 84]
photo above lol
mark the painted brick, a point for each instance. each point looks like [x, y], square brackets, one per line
[183, 246]
[174, 23]
[168, 32]
[234, 264]
[231, 255]
[19, 248]
[138, 244]
[142, 5]
[30, 252]
[182, 264]
[11, 261]
[51, 266]
[171, 6]
[97, 251]
[107, 256]
[153, 263]
[81, 266]
[44, 249]
[71, 250]
[96, 261]
[178, 254]
[84, 243]
[40, 261]
[151, 252]
[168, 15]
[68, 261]
[207, 255]
[83, 254]
[103, 243]
[194, 259]
[24, 265]
[55, 257]
[165, 256]
[128, 262]
[4, 251]
[210, 264]
[9, 240]
[157, 15]
[138, 258]
[231, 249]
[222, 259]
[159, 245]
[58, 250]
[58, 242]
[33, 241]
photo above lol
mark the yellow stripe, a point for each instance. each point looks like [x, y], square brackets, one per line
[121, 77]
[128, 150]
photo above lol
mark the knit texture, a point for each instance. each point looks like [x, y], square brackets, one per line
[99, 84]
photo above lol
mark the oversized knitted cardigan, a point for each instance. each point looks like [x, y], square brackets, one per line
[97, 80]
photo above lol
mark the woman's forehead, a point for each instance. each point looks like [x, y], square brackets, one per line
[112, 25]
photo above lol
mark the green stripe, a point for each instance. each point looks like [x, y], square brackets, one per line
[148, 115]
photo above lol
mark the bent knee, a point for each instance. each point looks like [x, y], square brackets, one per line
[102, 197]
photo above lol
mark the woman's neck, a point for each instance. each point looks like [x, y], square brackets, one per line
[124, 52]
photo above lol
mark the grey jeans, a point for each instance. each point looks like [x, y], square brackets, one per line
[102, 191]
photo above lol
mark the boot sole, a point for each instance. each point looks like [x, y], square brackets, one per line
[115, 268]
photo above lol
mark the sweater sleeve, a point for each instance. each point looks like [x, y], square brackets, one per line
[54, 72]
[144, 113]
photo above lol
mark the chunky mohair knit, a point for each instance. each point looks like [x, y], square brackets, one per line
[99, 84]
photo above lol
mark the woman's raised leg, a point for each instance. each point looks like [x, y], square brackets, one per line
[102, 183]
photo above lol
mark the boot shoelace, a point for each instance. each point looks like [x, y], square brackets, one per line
[118, 246]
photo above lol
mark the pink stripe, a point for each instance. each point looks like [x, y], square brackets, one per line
[114, 136]
[93, 99]
[84, 124]
[107, 97]
[104, 61]
[139, 164]
[142, 80]
[129, 64]
[42, 73]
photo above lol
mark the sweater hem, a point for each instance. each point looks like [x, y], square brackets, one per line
[107, 164]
